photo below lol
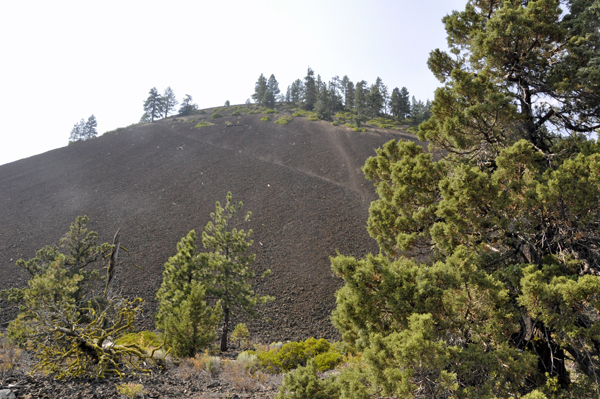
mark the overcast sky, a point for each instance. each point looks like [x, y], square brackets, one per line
[66, 60]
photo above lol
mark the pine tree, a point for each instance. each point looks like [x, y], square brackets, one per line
[78, 132]
[374, 99]
[169, 102]
[404, 107]
[360, 102]
[309, 95]
[260, 87]
[296, 92]
[395, 104]
[90, 128]
[187, 106]
[508, 303]
[230, 276]
[189, 324]
[273, 88]
[153, 105]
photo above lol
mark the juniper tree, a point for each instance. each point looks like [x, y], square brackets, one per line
[508, 216]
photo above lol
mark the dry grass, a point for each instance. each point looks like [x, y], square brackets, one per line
[10, 357]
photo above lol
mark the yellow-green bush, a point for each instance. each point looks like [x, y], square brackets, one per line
[216, 115]
[344, 116]
[313, 117]
[253, 112]
[301, 113]
[145, 339]
[236, 113]
[382, 123]
[130, 389]
[265, 119]
[269, 111]
[360, 129]
[203, 124]
[335, 123]
[284, 120]
[294, 354]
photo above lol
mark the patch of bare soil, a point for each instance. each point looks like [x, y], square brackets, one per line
[302, 181]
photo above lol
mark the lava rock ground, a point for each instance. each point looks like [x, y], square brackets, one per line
[302, 182]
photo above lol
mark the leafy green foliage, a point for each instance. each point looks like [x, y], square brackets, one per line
[241, 335]
[216, 115]
[506, 304]
[305, 383]
[335, 123]
[203, 124]
[284, 120]
[301, 113]
[265, 119]
[313, 117]
[383, 123]
[269, 111]
[236, 113]
[295, 354]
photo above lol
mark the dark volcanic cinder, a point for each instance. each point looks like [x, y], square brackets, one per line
[301, 181]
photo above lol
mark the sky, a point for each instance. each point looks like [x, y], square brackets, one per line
[66, 60]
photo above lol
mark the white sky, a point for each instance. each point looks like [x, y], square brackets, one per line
[65, 60]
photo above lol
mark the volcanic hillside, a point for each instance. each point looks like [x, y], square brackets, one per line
[157, 181]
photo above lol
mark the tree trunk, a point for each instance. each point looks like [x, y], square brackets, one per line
[225, 329]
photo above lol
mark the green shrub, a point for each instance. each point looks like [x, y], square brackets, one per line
[328, 360]
[201, 112]
[382, 123]
[284, 120]
[313, 117]
[253, 112]
[269, 111]
[301, 113]
[335, 123]
[294, 354]
[351, 125]
[236, 113]
[244, 109]
[305, 383]
[344, 116]
[216, 115]
[241, 335]
[265, 119]
[203, 124]
[360, 129]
